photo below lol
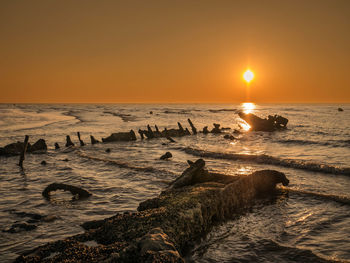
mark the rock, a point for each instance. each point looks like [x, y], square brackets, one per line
[43, 162]
[256, 123]
[15, 148]
[166, 226]
[216, 128]
[57, 146]
[166, 156]
[69, 141]
[151, 112]
[81, 193]
[121, 136]
[205, 130]
[156, 245]
[229, 137]
[108, 150]
[340, 109]
[93, 140]
[38, 147]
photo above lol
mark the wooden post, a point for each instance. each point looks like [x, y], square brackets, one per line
[194, 130]
[22, 156]
[80, 140]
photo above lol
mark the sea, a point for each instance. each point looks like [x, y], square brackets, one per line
[309, 224]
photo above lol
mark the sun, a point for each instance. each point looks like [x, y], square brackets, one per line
[248, 76]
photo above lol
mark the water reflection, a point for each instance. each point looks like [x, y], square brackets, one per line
[248, 107]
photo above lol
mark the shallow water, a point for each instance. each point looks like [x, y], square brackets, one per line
[311, 223]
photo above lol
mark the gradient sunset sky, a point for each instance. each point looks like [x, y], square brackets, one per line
[174, 51]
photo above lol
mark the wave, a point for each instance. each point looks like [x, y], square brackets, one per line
[337, 198]
[334, 143]
[124, 117]
[125, 164]
[222, 110]
[267, 159]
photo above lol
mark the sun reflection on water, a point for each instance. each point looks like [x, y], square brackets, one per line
[248, 107]
[244, 125]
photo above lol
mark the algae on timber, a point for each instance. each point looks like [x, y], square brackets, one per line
[165, 226]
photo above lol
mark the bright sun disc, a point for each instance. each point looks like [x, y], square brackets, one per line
[248, 76]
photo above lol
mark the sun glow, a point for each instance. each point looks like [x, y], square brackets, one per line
[248, 76]
[248, 107]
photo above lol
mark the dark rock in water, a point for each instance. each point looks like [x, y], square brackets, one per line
[121, 136]
[205, 130]
[17, 148]
[19, 227]
[57, 146]
[216, 128]
[38, 146]
[43, 162]
[108, 150]
[229, 137]
[272, 123]
[93, 140]
[166, 156]
[69, 141]
[340, 109]
[66, 187]
[164, 227]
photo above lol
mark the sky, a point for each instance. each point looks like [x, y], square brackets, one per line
[176, 51]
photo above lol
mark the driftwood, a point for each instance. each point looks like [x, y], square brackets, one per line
[69, 141]
[194, 130]
[272, 123]
[121, 136]
[80, 140]
[76, 191]
[22, 156]
[164, 227]
[93, 140]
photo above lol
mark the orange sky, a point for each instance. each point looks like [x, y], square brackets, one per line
[174, 51]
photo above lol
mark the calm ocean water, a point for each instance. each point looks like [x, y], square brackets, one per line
[310, 224]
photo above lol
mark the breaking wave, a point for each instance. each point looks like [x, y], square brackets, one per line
[267, 159]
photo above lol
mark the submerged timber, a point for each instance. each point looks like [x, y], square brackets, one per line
[164, 227]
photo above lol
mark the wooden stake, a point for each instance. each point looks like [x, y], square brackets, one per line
[22, 156]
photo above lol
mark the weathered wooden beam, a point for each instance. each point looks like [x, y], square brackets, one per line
[23, 153]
